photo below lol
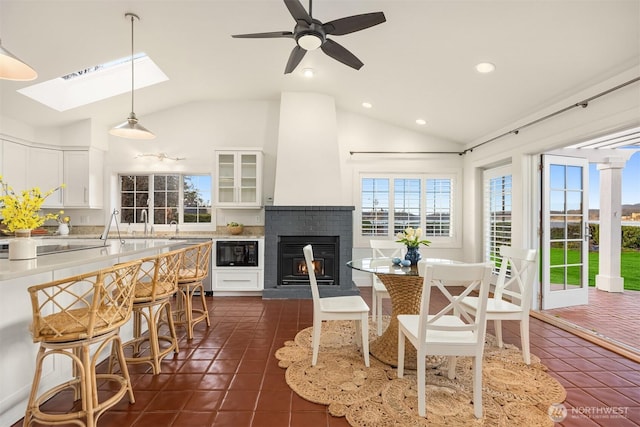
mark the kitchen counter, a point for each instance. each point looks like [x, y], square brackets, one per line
[18, 351]
[113, 250]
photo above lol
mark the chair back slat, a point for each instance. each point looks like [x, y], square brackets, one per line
[308, 256]
[83, 306]
[472, 278]
[196, 262]
[387, 248]
[158, 276]
[516, 275]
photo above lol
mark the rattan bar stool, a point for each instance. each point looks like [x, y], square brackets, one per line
[78, 317]
[155, 286]
[195, 267]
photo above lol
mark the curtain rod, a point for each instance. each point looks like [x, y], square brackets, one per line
[584, 104]
[405, 152]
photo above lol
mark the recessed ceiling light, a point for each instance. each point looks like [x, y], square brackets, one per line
[485, 67]
[366, 105]
[307, 72]
[421, 122]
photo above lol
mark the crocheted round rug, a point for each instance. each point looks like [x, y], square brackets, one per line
[513, 393]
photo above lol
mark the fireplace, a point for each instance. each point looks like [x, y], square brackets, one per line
[329, 229]
[292, 267]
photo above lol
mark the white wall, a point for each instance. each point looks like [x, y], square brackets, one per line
[308, 171]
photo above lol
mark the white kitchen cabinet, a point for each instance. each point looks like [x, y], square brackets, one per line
[237, 280]
[83, 176]
[44, 169]
[14, 165]
[238, 178]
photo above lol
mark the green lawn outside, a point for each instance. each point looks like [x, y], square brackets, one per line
[629, 268]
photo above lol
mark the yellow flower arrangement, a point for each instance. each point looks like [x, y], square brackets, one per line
[21, 212]
[411, 237]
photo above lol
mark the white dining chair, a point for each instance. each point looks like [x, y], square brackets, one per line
[444, 333]
[351, 307]
[382, 249]
[512, 295]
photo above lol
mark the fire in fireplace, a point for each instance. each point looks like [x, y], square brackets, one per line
[292, 268]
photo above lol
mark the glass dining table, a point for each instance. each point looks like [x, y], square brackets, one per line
[404, 285]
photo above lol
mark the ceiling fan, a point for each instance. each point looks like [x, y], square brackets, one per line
[310, 34]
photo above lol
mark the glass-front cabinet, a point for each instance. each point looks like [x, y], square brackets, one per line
[238, 178]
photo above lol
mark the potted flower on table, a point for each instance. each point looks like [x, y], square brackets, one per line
[412, 238]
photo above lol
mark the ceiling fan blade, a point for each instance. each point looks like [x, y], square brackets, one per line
[273, 34]
[298, 11]
[354, 23]
[294, 59]
[339, 53]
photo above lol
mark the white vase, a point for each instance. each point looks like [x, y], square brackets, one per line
[22, 246]
[63, 229]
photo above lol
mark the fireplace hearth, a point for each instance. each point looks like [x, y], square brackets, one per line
[329, 229]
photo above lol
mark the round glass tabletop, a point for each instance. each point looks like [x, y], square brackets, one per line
[386, 266]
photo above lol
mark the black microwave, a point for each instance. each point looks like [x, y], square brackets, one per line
[237, 253]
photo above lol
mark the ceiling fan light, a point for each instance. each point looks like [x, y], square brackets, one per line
[132, 129]
[309, 41]
[12, 68]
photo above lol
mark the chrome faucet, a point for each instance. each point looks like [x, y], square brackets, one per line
[144, 217]
[176, 223]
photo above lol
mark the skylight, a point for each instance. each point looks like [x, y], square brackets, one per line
[95, 83]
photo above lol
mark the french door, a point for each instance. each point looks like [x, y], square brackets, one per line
[565, 232]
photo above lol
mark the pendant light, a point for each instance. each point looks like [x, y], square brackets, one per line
[12, 68]
[131, 128]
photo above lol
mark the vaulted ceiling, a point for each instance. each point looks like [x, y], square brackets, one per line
[418, 64]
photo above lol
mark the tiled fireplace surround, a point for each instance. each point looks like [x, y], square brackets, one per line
[307, 221]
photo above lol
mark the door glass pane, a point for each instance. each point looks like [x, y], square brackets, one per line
[556, 202]
[574, 201]
[574, 178]
[558, 228]
[574, 253]
[557, 176]
[574, 276]
[557, 254]
[574, 228]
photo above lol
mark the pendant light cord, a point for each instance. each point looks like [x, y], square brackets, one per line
[133, 16]
[132, 63]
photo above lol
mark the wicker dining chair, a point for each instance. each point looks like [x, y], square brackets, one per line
[156, 284]
[76, 319]
[194, 269]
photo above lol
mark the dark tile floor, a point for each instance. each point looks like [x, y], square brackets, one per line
[612, 315]
[227, 375]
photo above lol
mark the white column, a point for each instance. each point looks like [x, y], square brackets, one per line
[608, 277]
